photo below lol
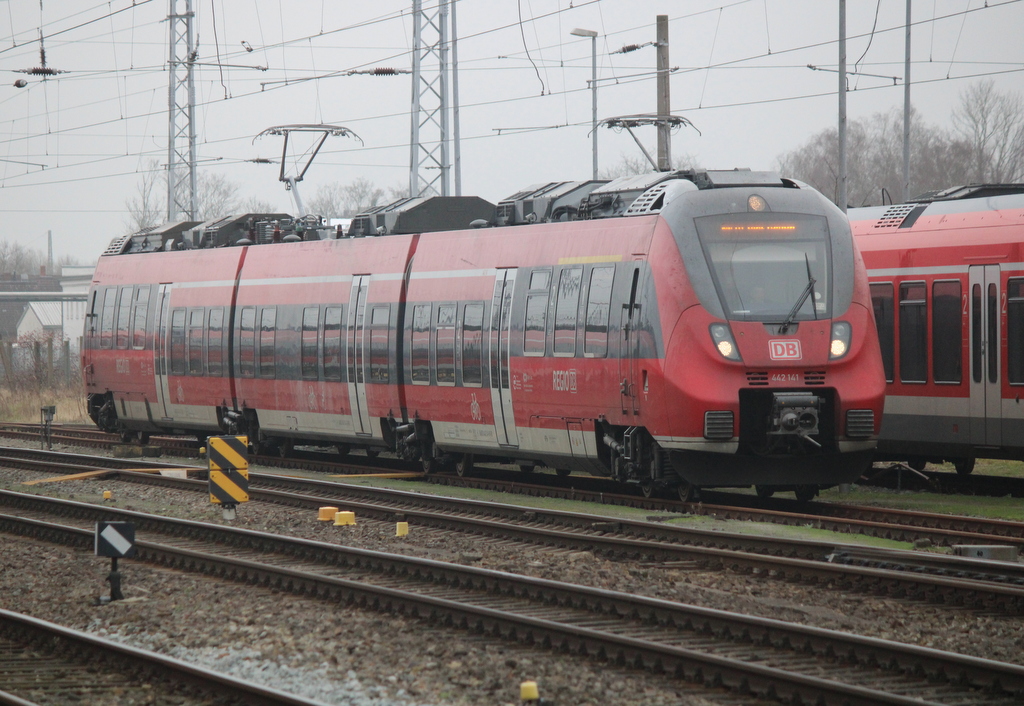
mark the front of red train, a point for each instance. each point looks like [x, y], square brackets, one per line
[779, 356]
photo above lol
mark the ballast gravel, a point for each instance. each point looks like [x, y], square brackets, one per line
[354, 657]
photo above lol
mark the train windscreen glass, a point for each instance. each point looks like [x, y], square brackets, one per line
[769, 265]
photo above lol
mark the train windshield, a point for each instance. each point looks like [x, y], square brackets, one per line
[763, 264]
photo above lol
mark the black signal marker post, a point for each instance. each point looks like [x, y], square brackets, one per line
[116, 540]
[228, 457]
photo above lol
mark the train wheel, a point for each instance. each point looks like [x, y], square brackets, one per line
[764, 491]
[805, 493]
[918, 464]
[963, 466]
[563, 472]
[464, 466]
[343, 449]
[143, 438]
[430, 464]
[285, 448]
[687, 492]
[647, 489]
[372, 453]
[127, 437]
[527, 467]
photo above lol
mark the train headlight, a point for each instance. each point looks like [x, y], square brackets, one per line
[721, 336]
[840, 340]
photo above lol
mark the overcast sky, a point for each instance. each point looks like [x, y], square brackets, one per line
[73, 147]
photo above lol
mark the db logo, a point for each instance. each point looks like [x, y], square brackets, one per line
[784, 350]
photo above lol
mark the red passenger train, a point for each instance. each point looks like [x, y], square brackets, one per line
[947, 285]
[672, 330]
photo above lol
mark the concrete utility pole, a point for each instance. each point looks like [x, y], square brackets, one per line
[593, 88]
[181, 101]
[906, 114]
[842, 107]
[664, 98]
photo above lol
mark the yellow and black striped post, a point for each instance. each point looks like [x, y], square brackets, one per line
[228, 457]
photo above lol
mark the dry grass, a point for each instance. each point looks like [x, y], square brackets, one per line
[22, 404]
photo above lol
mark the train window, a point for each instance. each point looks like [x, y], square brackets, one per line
[536, 324]
[124, 314]
[595, 338]
[215, 343]
[566, 306]
[421, 344]
[913, 332]
[472, 345]
[444, 346]
[141, 307]
[178, 342]
[195, 341]
[540, 279]
[247, 342]
[882, 303]
[107, 322]
[379, 343]
[947, 336]
[310, 332]
[1015, 331]
[333, 316]
[268, 332]
[992, 350]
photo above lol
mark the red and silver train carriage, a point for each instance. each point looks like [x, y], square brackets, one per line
[681, 330]
[947, 285]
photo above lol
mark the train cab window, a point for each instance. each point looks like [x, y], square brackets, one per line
[215, 343]
[913, 332]
[472, 345]
[178, 342]
[247, 342]
[107, 321]
[124, 314]
[141, 307]
[333, 316]
[1015, 331]
[599, 296]
[195, 341]
[421, 344]
[379, 321]
[268, 332]
[882, 303]
[566, 307]
[309, 343]
[444, 346]
[947, 335]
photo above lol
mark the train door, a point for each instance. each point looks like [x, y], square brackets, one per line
[357, 344]
[501, 391]
[986, 386]
[161, 353]
[628, 348]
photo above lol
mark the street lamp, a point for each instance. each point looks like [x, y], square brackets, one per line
[593, 85]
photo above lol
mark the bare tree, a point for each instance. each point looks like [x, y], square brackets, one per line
[16, 259]
[992, 124]
[328, 201]
[145, 208]
[215, 197]
[360, 195]
[254, 204]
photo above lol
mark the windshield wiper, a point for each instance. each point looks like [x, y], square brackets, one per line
[800, 300]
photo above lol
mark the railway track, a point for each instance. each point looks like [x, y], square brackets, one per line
[899, 525]
[44, 663]
[986, 585]
[756, 656]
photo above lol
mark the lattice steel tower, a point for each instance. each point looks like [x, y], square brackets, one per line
[181, 100]
[429, 166]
